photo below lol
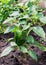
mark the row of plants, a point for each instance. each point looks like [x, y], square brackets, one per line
[22, 19]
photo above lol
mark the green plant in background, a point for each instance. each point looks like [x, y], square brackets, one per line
[6, 7]
[22, 21]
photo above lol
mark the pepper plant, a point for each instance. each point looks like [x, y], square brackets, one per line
[22, 21]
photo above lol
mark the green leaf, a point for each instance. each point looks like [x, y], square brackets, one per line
[15, 13]
[20, 4]
[22, 22]
[7, 20]
[34, 12]
[29, 4]
[40, 15]
[13, 44]
[9, 29]
[26, 16]
[25, 27]
[23, 49]
[40, 46]
[6, 51]
[39, 31]
[20, 37]
[43, 20]
[32, 54]
[30, 39]
[45, 49]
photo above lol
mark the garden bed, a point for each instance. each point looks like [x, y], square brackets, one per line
[22, 32]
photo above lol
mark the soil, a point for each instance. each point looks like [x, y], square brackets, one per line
[18, 58]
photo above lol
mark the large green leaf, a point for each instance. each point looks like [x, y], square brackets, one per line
[32, 54]
[6, 51]
[39, 31]
[23, 49]
[40, 46]
[43, 20]
[30, 39]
